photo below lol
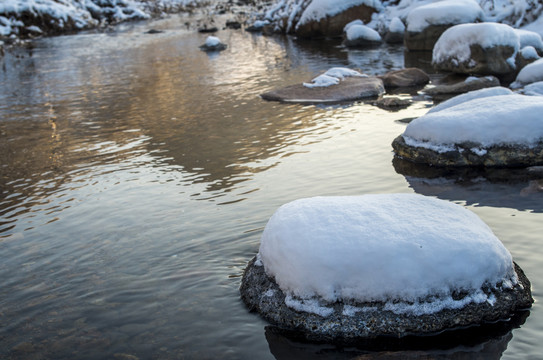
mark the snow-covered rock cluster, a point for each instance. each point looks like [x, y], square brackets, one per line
[37, 17]
[393, 264]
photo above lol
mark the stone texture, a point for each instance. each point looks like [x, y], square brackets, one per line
[426, 39]
[409, 77]
[349, 89]
[261, 294]
[463, 86]
[332, 26]
[392, 103]
[483, 61]
[463, 155]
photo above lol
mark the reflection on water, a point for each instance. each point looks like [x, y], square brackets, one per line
[485, 342]
[137, 174]
[513, 188]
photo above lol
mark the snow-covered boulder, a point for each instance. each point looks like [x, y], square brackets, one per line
[426, 23]
[395, 31]
[335, 85]
[408, 77]
[358, 35]
[320, 18]
[484, 48]
[213, 43]
[529, 74]
[494, 131]
[394, 264]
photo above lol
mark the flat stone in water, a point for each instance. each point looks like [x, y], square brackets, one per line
[467, 155]
[351, 320]
[349, 89]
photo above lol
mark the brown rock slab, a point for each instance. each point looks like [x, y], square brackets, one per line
[349, 89]
[463, 86]
[405, 78]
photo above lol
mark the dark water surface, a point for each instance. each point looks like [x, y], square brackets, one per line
[137, 174]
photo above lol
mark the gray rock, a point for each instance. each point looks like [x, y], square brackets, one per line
[409, 77]
[464, 155]
[349, 89]
[392, 103]
[461, 87]
[261, 294]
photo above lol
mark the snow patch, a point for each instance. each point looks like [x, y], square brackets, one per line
[333, 77]
[308, 305]
[362, 32]
[319, 9]
[477, 94]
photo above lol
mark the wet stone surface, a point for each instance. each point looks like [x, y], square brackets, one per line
[350, 320]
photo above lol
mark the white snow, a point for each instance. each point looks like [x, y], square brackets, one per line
[494, 120]
[530, 38]
[322, 81]
[319, 9]
[534, 89]
[389, 247]
[212, 41]
[356, 31]
[443, 13]
[529, 52]
[354, 22]
[477, 94]
[455, 42]
[529, 74]
[396, 25]
[342, 72]
[332, 77]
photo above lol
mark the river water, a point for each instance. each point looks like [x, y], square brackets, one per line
[138, 172]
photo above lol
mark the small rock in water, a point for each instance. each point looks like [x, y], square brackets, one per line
[213, 43]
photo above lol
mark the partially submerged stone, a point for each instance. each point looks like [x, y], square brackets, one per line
[349, 89]
[340, 268]
[471, 83]
[213, 43]
[494, 131]
[358, 35]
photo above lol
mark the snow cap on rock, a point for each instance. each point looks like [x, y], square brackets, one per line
[367, 248]
[444, 13]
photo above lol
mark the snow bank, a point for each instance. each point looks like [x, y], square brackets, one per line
[529, 74]
[455, 42]
[396, 25]
[494, 120]
[535, 89]
[443, 13]
[529, 53]
[319, 9]
[382, 248]
[477, 94]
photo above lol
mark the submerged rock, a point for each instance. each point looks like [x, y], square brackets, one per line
[342, 268]
[348, 89]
